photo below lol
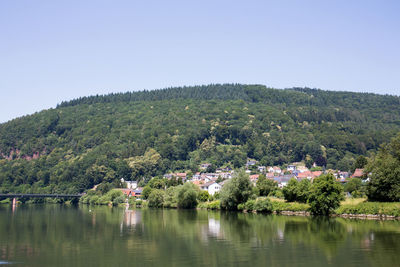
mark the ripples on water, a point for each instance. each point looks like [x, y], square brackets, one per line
[54, 235]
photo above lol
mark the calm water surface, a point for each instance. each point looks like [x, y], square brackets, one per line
[54, 235]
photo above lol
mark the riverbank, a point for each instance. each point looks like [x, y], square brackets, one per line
[350, 208]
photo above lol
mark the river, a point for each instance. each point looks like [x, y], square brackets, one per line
[57, 235]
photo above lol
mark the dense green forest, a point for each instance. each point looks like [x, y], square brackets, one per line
[136, 135]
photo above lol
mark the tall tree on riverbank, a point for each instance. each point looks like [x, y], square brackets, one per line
[236, 191]
[384, 169]
[325, 195]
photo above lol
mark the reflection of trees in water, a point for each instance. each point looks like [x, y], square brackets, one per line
[323, 233]
[188, 237]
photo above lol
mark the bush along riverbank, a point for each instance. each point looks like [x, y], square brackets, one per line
[322, 197]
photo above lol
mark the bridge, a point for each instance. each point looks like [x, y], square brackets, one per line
[40, 195]
[15, 196]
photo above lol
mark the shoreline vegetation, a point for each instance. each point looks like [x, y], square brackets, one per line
[351, 208]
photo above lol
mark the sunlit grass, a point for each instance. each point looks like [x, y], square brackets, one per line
[276, 199]
[352, 201]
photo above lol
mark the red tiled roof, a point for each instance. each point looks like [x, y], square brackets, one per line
[254, 176]
[358, 173]
[317, 173]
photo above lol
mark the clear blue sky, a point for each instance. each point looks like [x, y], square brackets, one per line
[52, 51]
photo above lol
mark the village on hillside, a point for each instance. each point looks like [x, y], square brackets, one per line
[212, 182]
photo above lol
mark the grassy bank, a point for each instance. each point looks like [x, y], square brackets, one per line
[355, 206]
[370, 208]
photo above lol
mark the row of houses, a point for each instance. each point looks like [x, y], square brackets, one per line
[213, 182]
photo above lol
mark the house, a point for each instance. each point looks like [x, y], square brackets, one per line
[283, 180]
[316, 173]
[131, 184]
[270, 169]
[138, 192]
[254, 178]
[251, 162]
[127, 192]
[211, 187]
[168, 176]
[358, 173]
[270, 175]
[277, 170]
[181, 175]
[302, 168]
[305, 175]
[204, 166]
[291, 168]
[262, 169]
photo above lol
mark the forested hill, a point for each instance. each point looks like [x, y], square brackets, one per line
[141, 134]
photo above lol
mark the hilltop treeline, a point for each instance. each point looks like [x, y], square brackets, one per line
[100, 139]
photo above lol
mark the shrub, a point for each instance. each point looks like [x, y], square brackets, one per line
[289, 206]
[376, 208]
[297, 191]
[138, 203]
[146, 191]
[171, 197]
[263, 205]
[93, 200]
[266, 186]
[203, 196]
[156, 198]
[236, 191]
[249, 205]
[213, 205]
[325, 195]
[118, 200]
[187, 196]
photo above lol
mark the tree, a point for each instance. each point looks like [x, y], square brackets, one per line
[146, 191]
[325, 195]
[156, 198]
[360, 163]
[384, 169]
[266, 186]
[203, 196]
[290, 190]
[187, 196]
[354, 186]
[297, 191]
[236, 191]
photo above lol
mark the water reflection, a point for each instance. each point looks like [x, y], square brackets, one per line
[53, 235]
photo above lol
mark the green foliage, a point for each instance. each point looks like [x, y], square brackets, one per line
[236, 191]
[113, 197]
[262, 205]
[355, 187]
[203, 196]
[376, 208]
[118, 200]
[266, 186]
[171, 197]
[137, 135]
[156, 198]
[360, 163]
[146, 191]
[213, 205]
[384, 184]
[325, 195]
[187, 196]
[297, 191]
[157, 183]
[289, 206]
